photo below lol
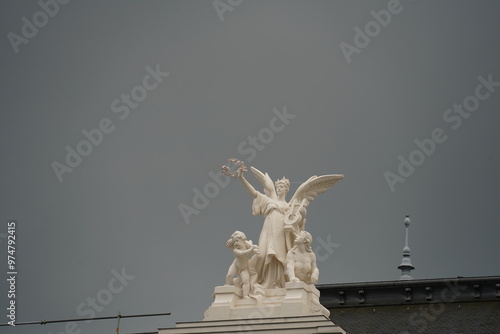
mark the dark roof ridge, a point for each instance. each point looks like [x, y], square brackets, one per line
[414, 282]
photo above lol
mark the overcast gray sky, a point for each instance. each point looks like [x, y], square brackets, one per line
[294, 88]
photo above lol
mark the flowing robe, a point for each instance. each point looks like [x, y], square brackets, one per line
[274, 241]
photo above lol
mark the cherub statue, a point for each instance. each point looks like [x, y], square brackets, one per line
[283, 220]
[301, 261]
[242, 248]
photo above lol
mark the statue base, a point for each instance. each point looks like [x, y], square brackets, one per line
[296, 299]
[294, 309]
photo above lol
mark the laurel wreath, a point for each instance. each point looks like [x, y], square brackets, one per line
[226, 167]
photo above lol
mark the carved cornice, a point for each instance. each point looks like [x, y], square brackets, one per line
[417, 291]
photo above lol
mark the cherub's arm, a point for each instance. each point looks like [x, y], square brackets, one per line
[239, 252]
[315, 270]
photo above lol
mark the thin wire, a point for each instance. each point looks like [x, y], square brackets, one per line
[44, 322]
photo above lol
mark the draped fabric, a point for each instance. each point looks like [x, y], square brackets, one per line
[270, 263]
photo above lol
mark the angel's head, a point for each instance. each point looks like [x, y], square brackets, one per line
[282, 186]
[238, 240]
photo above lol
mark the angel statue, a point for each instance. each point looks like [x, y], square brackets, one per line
[283, 221]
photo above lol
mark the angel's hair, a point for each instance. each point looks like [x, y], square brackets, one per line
[283, 180]
[234, 236]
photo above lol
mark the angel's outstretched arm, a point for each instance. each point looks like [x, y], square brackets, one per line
[247, 184]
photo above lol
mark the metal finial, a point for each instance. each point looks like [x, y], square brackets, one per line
[406, 266]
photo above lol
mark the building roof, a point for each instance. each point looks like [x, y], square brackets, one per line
[457, 305]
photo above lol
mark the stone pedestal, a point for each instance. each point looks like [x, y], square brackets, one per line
[296, 299]
[292, 310]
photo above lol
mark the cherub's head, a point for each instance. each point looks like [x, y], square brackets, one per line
[282, 185]
[306, 238]
[238, 240]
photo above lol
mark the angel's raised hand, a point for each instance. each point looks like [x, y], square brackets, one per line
[240, 172]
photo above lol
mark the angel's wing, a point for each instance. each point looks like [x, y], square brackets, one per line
[314, 186]
[266, 182]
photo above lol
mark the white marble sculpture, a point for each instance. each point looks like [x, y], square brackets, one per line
[242, 249]
[283, 221]
[301, 261]
[275, 279]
